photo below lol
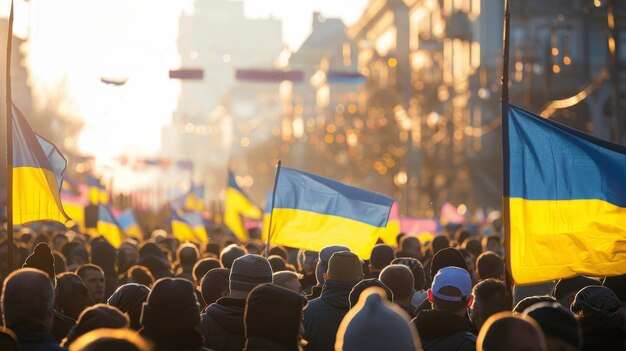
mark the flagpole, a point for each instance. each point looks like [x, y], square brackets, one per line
[508, 281]
[9, 131]
[269, 228]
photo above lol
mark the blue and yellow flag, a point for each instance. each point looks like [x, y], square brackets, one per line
[38, 168]
[129, 225]
[237, 206]
[311, 212]
[194, 200]
[96, 191]
[565, 194]
[188, 227]
[108, 227]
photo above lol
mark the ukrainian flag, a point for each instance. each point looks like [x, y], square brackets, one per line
[393, 226]
[311, 212]
[188, 227]
[129, 225]
[194, 200]
[96, 192]
[108, 227]
[238, 204]
[565, 195]
[38, 168]
[74, 201]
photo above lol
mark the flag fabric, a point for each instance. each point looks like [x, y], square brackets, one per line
[565, 194]
[108, 227]
[390, 235]
[129, 225]
[194, 200]
[38, 168]
[237, 206]
[74, 200]
[97, 193]
[311, 212]
[185, 227]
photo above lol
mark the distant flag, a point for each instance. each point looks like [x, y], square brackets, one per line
[450, 215]
[129, 224]
[194, 199]
[392, 230]
[97, 193]
[237, 206]
[312, 212]
[188, 227]
[109, 227]
[74, 199]
[565, 194]
[38, 168]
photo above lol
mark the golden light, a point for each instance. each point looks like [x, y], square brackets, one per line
[597, 3]
[245, 142]
[392, 62]
[340, 139]
[284, 148]
[556, 68]
[401, 178]
[390, 162]
[519, 66]
[339, 108]
[377, 165]
[298, 127]
[567, 60]
[382, 170]
[555, 51]
[352, 139]
[462, 209]
[352, 108]
[329, 138]
[331, 128]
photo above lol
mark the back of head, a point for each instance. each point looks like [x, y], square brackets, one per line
[72, 296]
[230, 254]
[439, 243]
[557, 323]
[110, 339]
[505, 332]
[187, 254]
[461, 235]
[140, 275]
[363, 285]
[103, 254]
[171, 306]
[27, 298]
[489, 265]
[375, 324]
[521, 292]
[41, 259]
[473, 246]
[96, 317]
[285, 278]
[489, 299]
[448, 257]
[129, 298]
[419, 278]
[595, 301]
[451, 290]
[247, 272]
[345, 266]
[307, 260]
[381, 257]
[214, 285]
[204, 265]
[531, 300]
[277, 263]
[278, 250]
[323, 258]
[400, 280]
[565, 289]
[282, 306]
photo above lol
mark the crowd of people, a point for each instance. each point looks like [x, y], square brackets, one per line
[78, 293]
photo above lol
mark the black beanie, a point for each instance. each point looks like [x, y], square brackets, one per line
[42, 259]
[448, 257]
[557, 322]
[171, 305]
[381, 256]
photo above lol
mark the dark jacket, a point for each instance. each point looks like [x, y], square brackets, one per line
[175, 340]
[257, 344]
[409, 309]
[222, 325]
[323, 315]
[603, 336]
[61, 325]
[36, 338]
[445, 331]
[316, 291]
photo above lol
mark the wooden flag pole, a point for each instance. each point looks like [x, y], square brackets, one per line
[269, 228]
[508, 280]
[9, 131]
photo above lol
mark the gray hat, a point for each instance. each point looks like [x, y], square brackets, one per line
[247, 272]
[324, 257]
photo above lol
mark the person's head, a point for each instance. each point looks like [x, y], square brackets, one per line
[126, 255]
[381, 257]
[96, 317]
[451, 290]
[72, 296]
[489, 299]
[277, 263]
[60, 265]
[323, 258]
[473, 246]
[490, 265]
[560, 327]
[283, 307]
[492, 243]
[28, 299]
[140, 275]
[521, 292]
[461, 235]
[42, 259]
[448, 257]
[214, 285]
[410, 246]
[375, 324]
[279, 250]
[104, 255]
[247, 272]
[229, 254]
[419, 278]
[531, 300]
[505, 332]
[597, 303]
[58, 240]
[93, 277]
[289, 280]
[75, 254]
[111, 339]
[129, 298]
[307, 260]
[618, 285]
[565, 289]
[204, 265]
[363, 285]
[187, 254]
[344, 266]
[171, 306]
[439, 243]
[400, 280]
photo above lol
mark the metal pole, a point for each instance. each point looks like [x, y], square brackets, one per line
[269, 228]
[9, 131]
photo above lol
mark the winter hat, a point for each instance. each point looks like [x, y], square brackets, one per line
[247, 272]
[618, 285]
[282, 306]
[565, 287]
[214, 284]
[375, 324]
[96, 317]
[419, 278]
[345, 266]
[324, 256]
[448, 257]
[365, 284]
[129, 298]
[557, 322]
[382, 255]
[42, 259]
[171, 306]
[598, 299]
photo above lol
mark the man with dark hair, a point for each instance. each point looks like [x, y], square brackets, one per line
[410, 246]
[322, 267]
[27, 303]
[204, 265]
[400, 280]
[505, 332]
[93, 277]
[446, 326]
[493, 243]
[323, 315]
[489, 299]
[419, 279]
[187, 254]
[230, 254]
[381, 257]
[489, 265]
